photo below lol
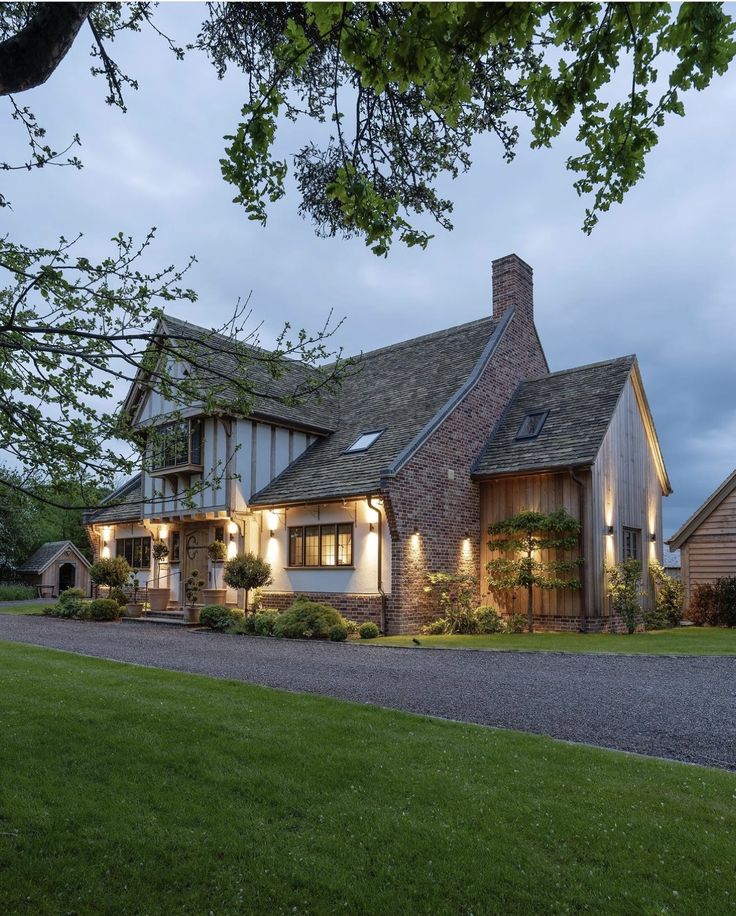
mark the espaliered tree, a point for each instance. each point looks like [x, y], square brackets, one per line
[520, 539]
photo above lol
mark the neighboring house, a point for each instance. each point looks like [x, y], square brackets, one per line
[672, 563]
[707, 540]
[353, 500]
[55, 567]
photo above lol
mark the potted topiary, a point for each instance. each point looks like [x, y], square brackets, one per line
[134, 607]
[158, 597]
[247, 571]
[192, 588]
[217, 552]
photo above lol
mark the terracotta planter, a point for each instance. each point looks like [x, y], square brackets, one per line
[158, 598]
[133, 609]
[214, 595]
[192, 613]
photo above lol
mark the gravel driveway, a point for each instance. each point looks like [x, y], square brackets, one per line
[682, 708]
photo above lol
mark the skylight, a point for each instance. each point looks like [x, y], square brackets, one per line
[531, 425]
[363, 442]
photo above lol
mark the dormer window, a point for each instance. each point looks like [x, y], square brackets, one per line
[177, 446]
[531, 425]
[363, 442]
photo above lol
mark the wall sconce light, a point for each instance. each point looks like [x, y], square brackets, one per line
[416, 529]
[609, 529]
[163, 532]
[653, 538]
[232, 528]
[272, 533]
[232, 538]
[104, 543]
[466, 536]
[371, 526]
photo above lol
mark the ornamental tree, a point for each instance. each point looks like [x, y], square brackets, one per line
[520, 539]
[247, 571]
[111, 571]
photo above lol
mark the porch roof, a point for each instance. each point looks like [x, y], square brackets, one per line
[122, 505]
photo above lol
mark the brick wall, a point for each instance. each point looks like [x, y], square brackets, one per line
[422, 495]
[361, 608]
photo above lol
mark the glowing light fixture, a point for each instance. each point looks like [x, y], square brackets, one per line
[609, 529]
[416, 530]
[163, 532]
[232, 528]
[653, 538]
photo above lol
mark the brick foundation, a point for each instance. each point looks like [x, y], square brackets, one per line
[361, 608]
[560, 624]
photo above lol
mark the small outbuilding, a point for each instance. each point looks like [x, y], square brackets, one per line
[55, 567]
[707, 540]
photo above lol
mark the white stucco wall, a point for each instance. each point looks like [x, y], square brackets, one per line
[361, 579]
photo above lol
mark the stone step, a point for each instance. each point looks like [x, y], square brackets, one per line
[168, 621]
[175, 613]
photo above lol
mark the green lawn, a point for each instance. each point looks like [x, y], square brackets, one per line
[682, 641]
[135, 791]
[23, 608]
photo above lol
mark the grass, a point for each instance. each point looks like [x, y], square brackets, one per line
[23, 608]
[138, 791]
[681, 641]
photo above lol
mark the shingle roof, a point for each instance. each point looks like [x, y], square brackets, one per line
[126, 505]
[45, 555]
[223, 356]
[580, 402]
[398, 389]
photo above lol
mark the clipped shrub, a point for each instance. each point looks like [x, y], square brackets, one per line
[264, 622]
[338, 632]
[245, 627]
[653, 620]
[117, 594]
[219, 617]
[14, 592]
[217, 551]
[488, 620]
[102, 609]
[726, 601]
[352, 627]
[70, 595]
[369, 630]
[703, 607]
[516, 623]
[307, 620]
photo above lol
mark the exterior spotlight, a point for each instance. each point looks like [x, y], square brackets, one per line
[466, 536]
[232, 538]
[416, 529]
[609, 529]
[371, 527]
[272, 533]
[652, 537]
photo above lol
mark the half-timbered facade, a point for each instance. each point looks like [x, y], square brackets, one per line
[354, 499]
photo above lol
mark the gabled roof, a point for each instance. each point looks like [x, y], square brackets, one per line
[218, 358]
[126, 505]
[405, 390]
[46, 554]
[701, 514]
[579, 405]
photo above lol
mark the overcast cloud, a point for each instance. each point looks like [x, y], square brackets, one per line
[655, 279]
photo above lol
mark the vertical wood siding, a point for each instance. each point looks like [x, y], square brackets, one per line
[710, 551]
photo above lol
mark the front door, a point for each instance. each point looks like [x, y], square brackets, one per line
[195, 558]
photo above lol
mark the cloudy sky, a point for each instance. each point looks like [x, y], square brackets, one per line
[655, 279]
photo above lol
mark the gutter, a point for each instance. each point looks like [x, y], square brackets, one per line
[379, 564]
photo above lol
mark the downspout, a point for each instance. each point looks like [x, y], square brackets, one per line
[581, 510]
[379, 564]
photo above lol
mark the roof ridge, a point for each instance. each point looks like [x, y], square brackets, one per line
[631, 357]
[421, 338]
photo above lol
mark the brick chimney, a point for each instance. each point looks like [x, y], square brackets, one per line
[513, 285]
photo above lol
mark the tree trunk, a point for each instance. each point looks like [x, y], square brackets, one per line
[28, 58]
[245, 609]
[530, 608]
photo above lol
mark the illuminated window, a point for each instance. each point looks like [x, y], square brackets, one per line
[363, 442]
[321, 545]
[531, 425]
[632, 544]
[137, 551]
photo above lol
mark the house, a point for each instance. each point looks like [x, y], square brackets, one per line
[672, 563]
[354, 499]
[55, 567]
[707, 540]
